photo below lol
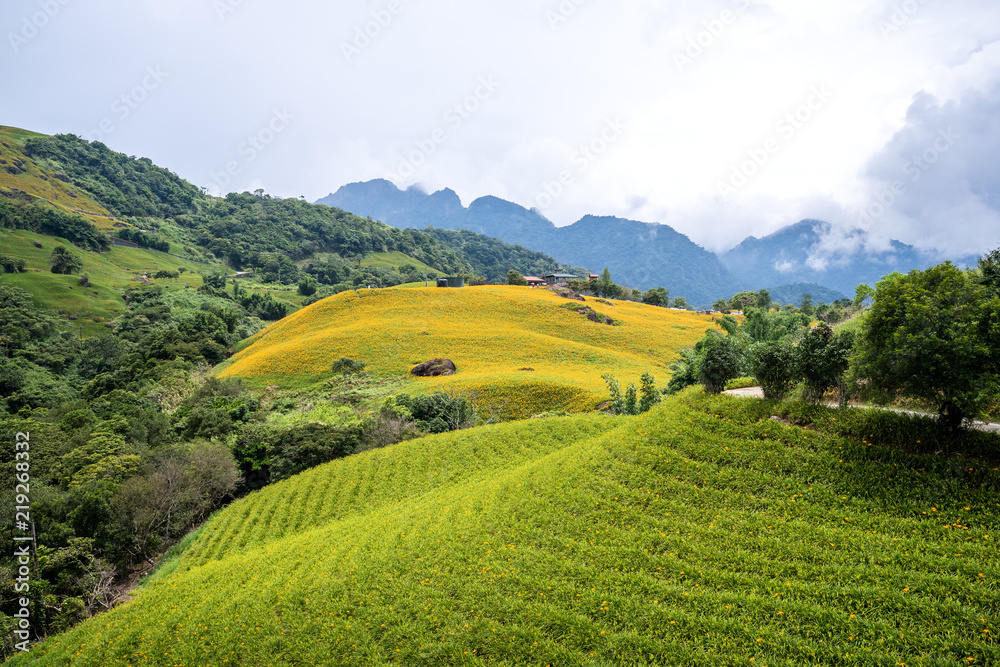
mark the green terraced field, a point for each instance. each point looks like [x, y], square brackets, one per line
[702, 533]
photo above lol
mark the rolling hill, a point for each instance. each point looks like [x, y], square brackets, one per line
[521, 351]
[702, 533]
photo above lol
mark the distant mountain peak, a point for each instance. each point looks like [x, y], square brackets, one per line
[638, 254]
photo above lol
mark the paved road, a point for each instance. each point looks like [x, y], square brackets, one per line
[757, 392]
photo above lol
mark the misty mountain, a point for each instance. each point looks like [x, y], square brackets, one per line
[638, 254]
[812, 251]
[793, 293]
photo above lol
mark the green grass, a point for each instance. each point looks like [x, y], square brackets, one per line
[396, 259]
[702, 533]
[110, 273]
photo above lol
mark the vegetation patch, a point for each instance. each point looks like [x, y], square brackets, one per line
[488, 332]
[700, 533]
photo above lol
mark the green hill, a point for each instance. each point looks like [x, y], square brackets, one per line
[85, 192]
[702, 533]
[519, 351]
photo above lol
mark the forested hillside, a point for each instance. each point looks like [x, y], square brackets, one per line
[278, 238]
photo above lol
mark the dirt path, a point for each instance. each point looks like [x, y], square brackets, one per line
[757, 392]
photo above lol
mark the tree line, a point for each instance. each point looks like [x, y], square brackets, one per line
[932, 336]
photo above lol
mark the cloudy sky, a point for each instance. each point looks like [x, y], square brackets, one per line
[722, 118]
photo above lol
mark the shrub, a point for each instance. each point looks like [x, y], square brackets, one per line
[515, 278]
[65, 262]
[822, 359]
[10, 264]
[635, 401]
[774, 368]
[438, 412]
[348, 366]
[308, 286]
[720, 363]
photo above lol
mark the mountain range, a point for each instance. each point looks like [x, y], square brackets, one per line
[645, 255]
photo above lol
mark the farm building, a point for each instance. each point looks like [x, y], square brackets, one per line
[451, 282]
[559, 278]
[533, 281]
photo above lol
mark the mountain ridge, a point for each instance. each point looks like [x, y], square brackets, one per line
[639, 254]
[650, 254]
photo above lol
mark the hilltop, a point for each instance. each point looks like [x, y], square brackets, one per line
[521, 351]
[702, 533]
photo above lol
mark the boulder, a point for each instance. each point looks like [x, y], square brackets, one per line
[435, 368]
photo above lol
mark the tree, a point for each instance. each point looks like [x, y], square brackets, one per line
[635, 401]
[863, 295]
[720, 362]
[764, 300]
[989, 267]
[216, 279]
[63, 261]
[649, 395]
[773, 367]
[822, 359]
[607, 285]
[658, 296]
[933, 335]
[681, 302]
[515, 278]
[308, 286]
[806, 305]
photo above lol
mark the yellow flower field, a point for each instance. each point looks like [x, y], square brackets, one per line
[517, 349]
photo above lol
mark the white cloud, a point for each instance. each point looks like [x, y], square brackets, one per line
[358, 118]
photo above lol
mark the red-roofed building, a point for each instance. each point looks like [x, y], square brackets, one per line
[533, 281]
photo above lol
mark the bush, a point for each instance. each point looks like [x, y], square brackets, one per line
[635, 401]
[685, 371]
[720, 362]
[822, 359]
[65, 262]
[308, 286]
[438, 412]
[774, 368]
[10, 264]
[515, 278]
[348, 366]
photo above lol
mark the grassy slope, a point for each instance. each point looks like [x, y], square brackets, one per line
[693, 535]
[491, 333]
[109, 272]
[394, 260]
[39, 180]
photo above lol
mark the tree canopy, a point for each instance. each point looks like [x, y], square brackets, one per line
[934, 335]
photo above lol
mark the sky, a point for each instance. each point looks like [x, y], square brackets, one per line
[721, 118]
